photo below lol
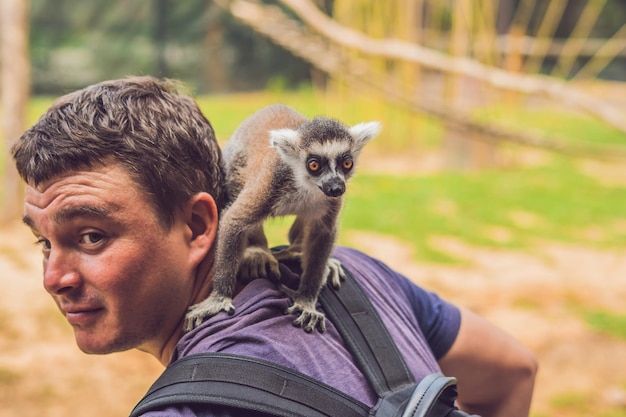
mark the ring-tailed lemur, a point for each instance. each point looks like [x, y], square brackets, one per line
[281, 163]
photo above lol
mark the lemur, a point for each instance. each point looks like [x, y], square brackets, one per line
[279, 163]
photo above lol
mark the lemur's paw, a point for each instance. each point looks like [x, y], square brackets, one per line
[208, 308]
[336, 272]
[308, 317]
[288, 254]
[256, 263]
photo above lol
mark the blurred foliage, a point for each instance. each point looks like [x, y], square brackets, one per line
[76, 44]
[469, 28]
[403, 131]
[575, 127]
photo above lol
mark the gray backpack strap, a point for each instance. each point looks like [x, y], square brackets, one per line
[380, 360]
[366, 336]
[434, 396]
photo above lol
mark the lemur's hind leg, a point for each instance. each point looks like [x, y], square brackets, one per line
[294, 251]
[257, 260]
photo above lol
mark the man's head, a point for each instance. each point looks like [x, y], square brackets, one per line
[158, 135]
[122, 183]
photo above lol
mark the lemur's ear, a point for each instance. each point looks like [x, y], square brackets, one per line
[285, 140]
[363, 132]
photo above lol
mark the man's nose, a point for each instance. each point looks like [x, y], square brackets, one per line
[59, 273]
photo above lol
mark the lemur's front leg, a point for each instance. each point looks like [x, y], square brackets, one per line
[224, 279]
[318, 241]
[294, 252]
[244, 215]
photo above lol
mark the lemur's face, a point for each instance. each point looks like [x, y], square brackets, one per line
[329, 166]
[322, 153]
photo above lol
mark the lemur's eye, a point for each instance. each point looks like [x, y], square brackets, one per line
[347, 164]
[313, 165]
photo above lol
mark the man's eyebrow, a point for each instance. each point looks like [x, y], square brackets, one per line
[72, 212]
[28, 221]
[84, 210]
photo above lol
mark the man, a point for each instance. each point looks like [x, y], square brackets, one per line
[124, 185]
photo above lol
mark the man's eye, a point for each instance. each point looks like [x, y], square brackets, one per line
[44, 243]
[92, 238]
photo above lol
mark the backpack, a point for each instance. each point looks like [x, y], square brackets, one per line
[256, 385]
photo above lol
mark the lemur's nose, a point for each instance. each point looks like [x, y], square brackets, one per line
[334, 188]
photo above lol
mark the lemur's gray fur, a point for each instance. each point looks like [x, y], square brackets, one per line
[280, 163]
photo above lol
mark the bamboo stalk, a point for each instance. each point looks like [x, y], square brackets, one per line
[395, 49]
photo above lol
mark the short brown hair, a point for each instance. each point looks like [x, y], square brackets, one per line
[158, 134]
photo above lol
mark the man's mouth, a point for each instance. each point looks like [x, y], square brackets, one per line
[83, 316]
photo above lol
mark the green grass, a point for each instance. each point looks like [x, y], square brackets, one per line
[559, 201]
[580, 404]
[572, 401]
[614, 412]
[606, 322]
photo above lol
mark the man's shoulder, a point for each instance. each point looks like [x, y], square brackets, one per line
[370, 272]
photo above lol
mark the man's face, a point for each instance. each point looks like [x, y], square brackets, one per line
[121, 280]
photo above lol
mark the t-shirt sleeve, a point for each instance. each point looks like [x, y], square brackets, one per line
[438, 319]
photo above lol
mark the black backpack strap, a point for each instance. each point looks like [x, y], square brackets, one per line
[366, 336]
[246, 384]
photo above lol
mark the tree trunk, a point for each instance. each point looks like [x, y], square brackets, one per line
[14, 92]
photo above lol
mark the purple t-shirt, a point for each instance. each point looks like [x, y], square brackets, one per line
[422, 325]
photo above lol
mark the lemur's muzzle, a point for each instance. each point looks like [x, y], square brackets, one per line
[334, 188]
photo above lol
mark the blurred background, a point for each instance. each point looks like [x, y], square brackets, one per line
[499, 179]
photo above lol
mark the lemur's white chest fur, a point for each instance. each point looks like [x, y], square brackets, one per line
[306, 200]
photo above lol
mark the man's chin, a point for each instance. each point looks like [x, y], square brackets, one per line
[92, 346]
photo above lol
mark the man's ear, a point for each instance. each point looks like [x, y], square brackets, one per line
[202, 219]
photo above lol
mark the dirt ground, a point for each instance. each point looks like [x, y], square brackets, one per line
[531, 295]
